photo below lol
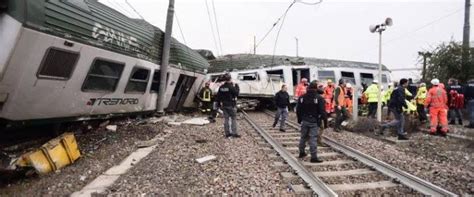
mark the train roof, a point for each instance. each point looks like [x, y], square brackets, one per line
[251, 61]
[93, 23]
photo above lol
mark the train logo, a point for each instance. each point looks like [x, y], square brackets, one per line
[112, 101]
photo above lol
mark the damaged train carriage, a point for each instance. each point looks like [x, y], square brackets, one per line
[79, 59]
[261, 76]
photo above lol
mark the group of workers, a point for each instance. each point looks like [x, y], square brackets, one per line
[315, 101]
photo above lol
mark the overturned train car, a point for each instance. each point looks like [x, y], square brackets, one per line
[261, 76]
[79, 59]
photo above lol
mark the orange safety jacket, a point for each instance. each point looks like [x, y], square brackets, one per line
[437, 98]
[300, 90]
[329, 92]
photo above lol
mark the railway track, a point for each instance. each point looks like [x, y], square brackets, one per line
[345, 171]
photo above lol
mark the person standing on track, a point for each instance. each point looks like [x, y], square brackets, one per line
[455, 101]
[282, 101]
[309, 111]
[436, 101]
[323, 122]
[328, 97]
[396, 104]
[227, 99]
[420, 102]
[469, 96]
[372, 96]
[339, 103]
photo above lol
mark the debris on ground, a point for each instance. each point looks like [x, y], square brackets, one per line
[206, 158]
[111, 127]
[197, 121]
[52, 156]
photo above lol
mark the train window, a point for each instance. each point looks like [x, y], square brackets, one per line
[138, 80]
[248, 76]
[366, 78]
[103, 76]
[324, 75]
[348, 77]
[155, 84]
[384, 79]
[58, 64]
[275, 75]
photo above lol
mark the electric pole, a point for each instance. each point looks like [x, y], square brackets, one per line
[165, 59]
[425, 56]
[465, 39]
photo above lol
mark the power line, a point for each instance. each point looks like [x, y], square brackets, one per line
[180, 29]
[212, 27]
[130, 5]
[274, 24]
[217, 26]
[279, 29]
[424, 26]
[307, 3]
[123, 10]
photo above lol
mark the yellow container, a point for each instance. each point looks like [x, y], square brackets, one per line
[54, 155]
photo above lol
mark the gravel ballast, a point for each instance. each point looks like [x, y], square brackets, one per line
[240, 166]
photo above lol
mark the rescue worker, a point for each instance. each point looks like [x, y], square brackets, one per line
[205, 96]
[328, 97]
[282, 101]
[436, 101]
[395, 106]
[348, 98]
[420, 102]
[323, 123]
[301, 88]
[412, 88]
[227, 99]
[372, 95]
[387, 95]
[455, 101]
[341, 110]
[309, 111]
[469, 96]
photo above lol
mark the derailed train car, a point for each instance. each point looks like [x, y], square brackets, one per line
[79, 59]
[261, 76]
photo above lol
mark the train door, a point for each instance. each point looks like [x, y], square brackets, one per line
[298, 74]
[180, 93]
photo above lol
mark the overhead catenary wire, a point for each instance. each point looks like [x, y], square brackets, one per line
[179, 26]
[121, 8]
[212, 28]
[134, 10]
[279, 30]
[217, 26]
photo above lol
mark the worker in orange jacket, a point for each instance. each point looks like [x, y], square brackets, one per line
[328, 97]
[437, 100]
[348, 98]
[301, 87]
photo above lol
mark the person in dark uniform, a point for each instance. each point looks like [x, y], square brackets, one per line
[282, 101]
[455, 92]
[469, 97]
[323, 123]
[227, 99]
[309, 111]
[412, 88]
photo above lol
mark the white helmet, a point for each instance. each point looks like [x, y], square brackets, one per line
[348, 85]
[435, 82]
[375, 81]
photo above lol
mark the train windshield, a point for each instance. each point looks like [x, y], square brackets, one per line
[324, 75]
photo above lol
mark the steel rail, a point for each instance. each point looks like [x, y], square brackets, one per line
[405, 178]
[318, 186]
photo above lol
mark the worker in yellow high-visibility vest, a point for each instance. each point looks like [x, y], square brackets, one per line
[206, 98]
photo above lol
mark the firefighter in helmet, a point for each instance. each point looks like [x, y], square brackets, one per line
[206, 98]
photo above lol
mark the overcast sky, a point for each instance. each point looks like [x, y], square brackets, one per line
[334, 29]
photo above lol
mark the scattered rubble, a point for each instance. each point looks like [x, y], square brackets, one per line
[111, 127]
[206, 158]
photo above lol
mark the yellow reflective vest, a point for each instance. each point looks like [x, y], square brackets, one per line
[386, 95]
[372, 93]
[421, 95]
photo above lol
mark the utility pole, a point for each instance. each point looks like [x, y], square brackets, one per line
[465, 38]
[425, 56]
[296, 46]
[254, 45]
[165, 59]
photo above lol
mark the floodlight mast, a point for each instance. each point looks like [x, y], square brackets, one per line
[379, 29]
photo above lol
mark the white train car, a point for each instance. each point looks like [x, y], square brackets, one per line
[73, 60]
[259, 81]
